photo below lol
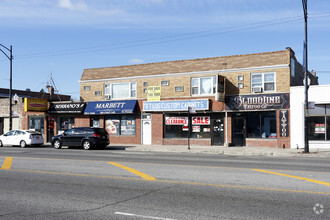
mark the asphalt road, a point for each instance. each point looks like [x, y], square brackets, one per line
[44, 183]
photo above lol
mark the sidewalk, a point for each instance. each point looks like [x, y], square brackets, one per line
[238, 151]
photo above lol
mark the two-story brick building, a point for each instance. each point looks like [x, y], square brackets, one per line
[240, 100]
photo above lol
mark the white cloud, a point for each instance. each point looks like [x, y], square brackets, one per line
[65, 3]
[136, 61]
[79, 5]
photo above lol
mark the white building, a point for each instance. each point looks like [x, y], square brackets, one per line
[319, 120]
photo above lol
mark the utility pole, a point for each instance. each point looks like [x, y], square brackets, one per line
[10, 57]
[304, 3]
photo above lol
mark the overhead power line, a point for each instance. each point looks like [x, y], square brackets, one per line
[161, 40]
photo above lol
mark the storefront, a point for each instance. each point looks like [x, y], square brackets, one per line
[318, 117]
[200, 124]
[34, 116]
[259, 120]
[119, 118]
[62, 116]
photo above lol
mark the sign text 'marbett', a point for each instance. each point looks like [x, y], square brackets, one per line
[110, 105]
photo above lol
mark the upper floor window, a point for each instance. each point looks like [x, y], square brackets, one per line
[120, 90]
[263, 82]
[203, 85]
[87, 88]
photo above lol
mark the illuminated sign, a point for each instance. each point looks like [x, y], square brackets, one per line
[34, 104]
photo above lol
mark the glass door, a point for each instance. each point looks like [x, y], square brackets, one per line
[239, 131]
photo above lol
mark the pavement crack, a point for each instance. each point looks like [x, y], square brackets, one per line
[90, 209]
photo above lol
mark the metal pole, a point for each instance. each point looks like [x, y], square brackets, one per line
[189, 127]
[10, 57]
[10, 90]
[306, 79]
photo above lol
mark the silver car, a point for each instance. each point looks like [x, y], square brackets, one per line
[21, 138]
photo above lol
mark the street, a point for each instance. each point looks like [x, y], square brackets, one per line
[44, 183]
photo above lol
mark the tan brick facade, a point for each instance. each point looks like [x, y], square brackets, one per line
[235, 69]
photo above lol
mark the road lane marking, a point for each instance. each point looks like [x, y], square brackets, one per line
[180, 165]
[296, 177]
[7, 163]
[136, 172]
[142, 216]
[175, 182]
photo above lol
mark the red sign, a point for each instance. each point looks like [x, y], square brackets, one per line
[201, 120]
[176, 120]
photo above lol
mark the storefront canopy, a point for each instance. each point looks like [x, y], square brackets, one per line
[110, 107]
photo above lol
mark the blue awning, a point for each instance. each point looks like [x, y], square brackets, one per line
[110, 107]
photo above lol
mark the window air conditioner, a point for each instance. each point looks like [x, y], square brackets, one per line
[107, 97]
[257, 89]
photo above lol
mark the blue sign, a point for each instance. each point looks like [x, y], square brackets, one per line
[110, 107]
[176, 105]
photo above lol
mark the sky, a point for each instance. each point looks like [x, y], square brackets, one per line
[61, 38]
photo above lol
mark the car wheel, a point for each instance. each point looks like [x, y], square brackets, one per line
[1, 145]
[57, 144]
[87, 145]
[22, 144]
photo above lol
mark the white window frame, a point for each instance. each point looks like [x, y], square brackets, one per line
[213, 78]
[87, 88]
[165, 83]
[108, 92]
[179, 89]
[263, 81]
[98, 93]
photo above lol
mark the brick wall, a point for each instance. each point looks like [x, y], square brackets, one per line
[184, 141]
[157, 128]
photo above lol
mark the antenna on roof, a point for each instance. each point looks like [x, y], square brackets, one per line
[51, 83]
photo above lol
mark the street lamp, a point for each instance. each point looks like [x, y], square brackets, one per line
[304, 3]
[10, 57]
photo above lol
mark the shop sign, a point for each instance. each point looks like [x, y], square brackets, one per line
[258, 102]
[196, 128]
[319, 128]
[284, 126]
[176, 105]
[34, 104]
[201, 120]
[110, 107]
[63, 108]
[185, 128]
[176, 120]
[154, 93]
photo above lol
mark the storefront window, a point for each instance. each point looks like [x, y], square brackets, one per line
[261, 125]
[176, 126]
[64, 123]
[36, 123]
[120, 124]
[328, 128]
[95, 121]
[317, 128]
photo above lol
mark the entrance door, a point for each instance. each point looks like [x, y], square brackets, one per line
[218, 132]
[146, 132]
[239, 131]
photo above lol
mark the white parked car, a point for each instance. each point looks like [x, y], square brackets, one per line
[21, 138]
